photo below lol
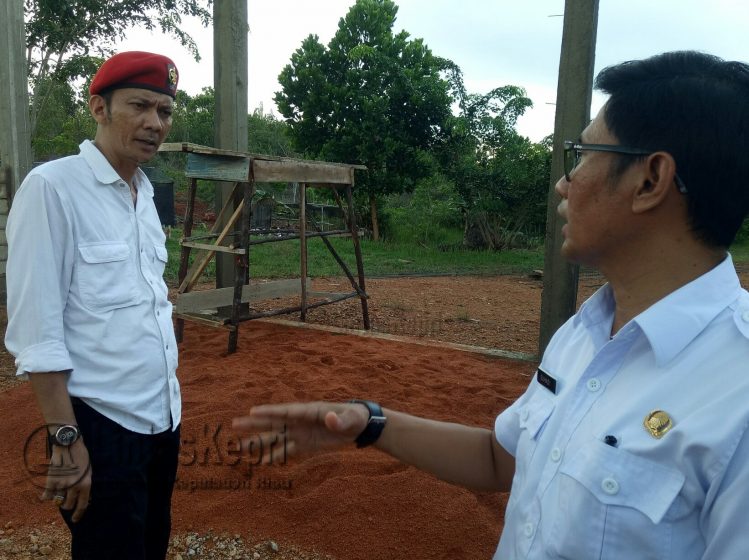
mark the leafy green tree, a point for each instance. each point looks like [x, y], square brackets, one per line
[371, 97]
[193, 122]
[65, 40]
[502, 177]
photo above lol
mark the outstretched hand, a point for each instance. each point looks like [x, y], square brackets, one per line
[305, 427]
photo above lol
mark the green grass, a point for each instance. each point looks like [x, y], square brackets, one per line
[281, 259]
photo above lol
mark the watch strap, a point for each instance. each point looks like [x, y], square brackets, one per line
[375, 424]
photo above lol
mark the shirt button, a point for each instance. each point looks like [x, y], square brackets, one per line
[593, 385]
[528, 529]
[610, 486]
[524, 414]
[556, 454]
[745, 316]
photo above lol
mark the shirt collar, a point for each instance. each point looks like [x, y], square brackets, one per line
[105, 173]
[103, 170]
[597, 309]
[673, 322]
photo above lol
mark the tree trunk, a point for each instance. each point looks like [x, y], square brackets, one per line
[373, 212]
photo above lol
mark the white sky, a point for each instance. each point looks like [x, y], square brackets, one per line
[495, 42]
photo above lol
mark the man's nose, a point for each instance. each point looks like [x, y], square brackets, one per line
[153, 120]
[562, 186]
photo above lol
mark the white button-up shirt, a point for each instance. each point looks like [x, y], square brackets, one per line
[580, 495]
[86, 292]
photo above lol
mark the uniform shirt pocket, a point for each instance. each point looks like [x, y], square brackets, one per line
[533, 416]
[161, 258]
[610, 500]
[106, 276]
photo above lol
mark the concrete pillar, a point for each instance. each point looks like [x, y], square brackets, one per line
[230, 30]
[15, 133]
[574, 91]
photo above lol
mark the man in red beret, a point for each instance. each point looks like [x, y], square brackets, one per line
[90, 323]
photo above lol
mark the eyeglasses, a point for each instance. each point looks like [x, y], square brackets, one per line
[573, 152]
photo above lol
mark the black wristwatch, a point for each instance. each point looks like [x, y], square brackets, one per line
[64, 436]
[375, 424]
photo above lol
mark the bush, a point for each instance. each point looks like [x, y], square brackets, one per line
[429, 216]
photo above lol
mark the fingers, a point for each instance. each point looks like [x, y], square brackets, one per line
[269, 417]
[268, 448]
[68, 483]
[81, 503]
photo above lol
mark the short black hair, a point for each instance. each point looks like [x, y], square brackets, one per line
[694, 106]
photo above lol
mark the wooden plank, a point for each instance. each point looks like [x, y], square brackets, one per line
[328, 295]
[218, 168]
[199, 265]
[207, 320]
[303, 247]
[296, 171]
[211, 247]
[222, 297]
[189, 147]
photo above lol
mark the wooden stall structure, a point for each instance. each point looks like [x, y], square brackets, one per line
[246, 170]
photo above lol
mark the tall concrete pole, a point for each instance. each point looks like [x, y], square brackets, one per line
[15, 132]
[574, 92]
[15, 129]
[230, 82]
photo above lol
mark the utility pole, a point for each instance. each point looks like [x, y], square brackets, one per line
[574, 91]
[230, 78]
[15, 133]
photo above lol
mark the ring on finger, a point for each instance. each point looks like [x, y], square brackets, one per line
[58, 499]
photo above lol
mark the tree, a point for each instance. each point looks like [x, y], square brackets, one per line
[66, 40]
[370, 97]
[502, 177]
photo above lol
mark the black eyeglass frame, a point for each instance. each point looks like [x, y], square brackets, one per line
[572, 148]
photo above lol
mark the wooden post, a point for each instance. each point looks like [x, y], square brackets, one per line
[303, 247]
[15, 132]
[184, 257]
[574, 91]
[230, 83]
[357, 252]
[241, 265]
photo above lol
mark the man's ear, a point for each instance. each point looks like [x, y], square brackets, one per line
[98, 108]
[656, 182]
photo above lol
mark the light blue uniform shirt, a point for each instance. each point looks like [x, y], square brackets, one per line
[86, 293]
[681, 497]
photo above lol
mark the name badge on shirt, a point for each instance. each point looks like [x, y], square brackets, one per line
[546, 380]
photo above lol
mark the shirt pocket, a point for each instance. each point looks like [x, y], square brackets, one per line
[609, 501]
[160, 260]
[106, 276]
[533, 416]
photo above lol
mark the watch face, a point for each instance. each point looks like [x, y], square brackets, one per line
[66, 435]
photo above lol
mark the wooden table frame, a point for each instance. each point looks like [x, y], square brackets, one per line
[245, 170]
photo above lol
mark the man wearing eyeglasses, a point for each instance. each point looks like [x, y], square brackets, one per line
[631, 441]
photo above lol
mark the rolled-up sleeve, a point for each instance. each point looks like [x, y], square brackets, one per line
[38, 273]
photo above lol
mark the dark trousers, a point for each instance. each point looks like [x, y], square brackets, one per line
[129, 515]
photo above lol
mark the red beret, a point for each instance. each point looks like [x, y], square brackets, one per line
[136, 69]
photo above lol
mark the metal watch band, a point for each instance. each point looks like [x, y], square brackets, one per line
[375, 424]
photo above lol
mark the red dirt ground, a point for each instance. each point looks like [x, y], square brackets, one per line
[354, 505]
